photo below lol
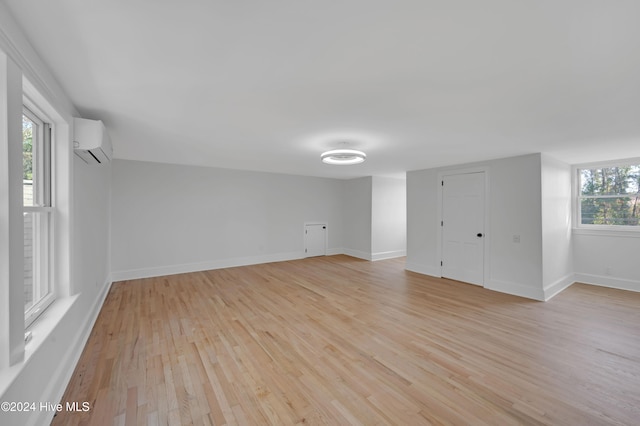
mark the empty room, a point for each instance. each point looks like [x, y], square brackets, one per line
[336, 213]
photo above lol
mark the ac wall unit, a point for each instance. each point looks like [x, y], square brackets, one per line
[91, 141]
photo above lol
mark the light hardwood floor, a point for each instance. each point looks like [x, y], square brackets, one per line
[337, 340]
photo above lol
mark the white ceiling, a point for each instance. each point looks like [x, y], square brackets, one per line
[269, 85]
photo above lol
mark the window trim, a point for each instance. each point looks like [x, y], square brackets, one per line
[43, 209]
[590, 229]
[61, 182]
[21, 80]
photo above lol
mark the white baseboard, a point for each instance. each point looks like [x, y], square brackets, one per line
[335, 251]
[607, 281]
[160, 271]
[555, 288]
[516, 289]
[388, 255]
[357, 253]
[64, 367]
[433, 271]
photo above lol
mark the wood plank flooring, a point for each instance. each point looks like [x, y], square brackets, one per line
[337, 340]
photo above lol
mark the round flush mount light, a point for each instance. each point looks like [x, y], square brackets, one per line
[343, 157]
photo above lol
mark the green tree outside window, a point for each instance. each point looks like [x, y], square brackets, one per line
[610, 195]
[27, 149]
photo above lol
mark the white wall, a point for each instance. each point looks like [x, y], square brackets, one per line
[43, 369]
[357, 217]
[92, 226]
[514, 208]
[171, 218]
[608, 259]
[557, 247]
[388, 218]
[423, 222]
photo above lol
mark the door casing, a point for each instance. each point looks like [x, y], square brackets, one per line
[487, 221]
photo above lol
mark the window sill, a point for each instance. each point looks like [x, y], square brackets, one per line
[607, 231]
[40, 330]
[46, 322]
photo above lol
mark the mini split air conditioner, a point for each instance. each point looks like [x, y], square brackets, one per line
[91, 141]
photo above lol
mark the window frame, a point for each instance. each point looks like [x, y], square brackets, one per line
[43, 212]
[629, 230]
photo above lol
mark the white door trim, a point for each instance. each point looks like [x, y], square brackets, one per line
[487, 221]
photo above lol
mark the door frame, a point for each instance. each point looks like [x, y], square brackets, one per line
[487, 222]
[304, 236]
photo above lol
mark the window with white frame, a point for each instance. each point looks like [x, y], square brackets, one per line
[609, 196]
[37, 212]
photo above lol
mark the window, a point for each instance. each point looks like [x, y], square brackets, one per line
[37, 212]
[609, 196]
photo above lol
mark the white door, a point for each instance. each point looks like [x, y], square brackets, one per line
[315, 240]
[463, 227]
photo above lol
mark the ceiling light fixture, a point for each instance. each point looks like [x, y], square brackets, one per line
[343, 157]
